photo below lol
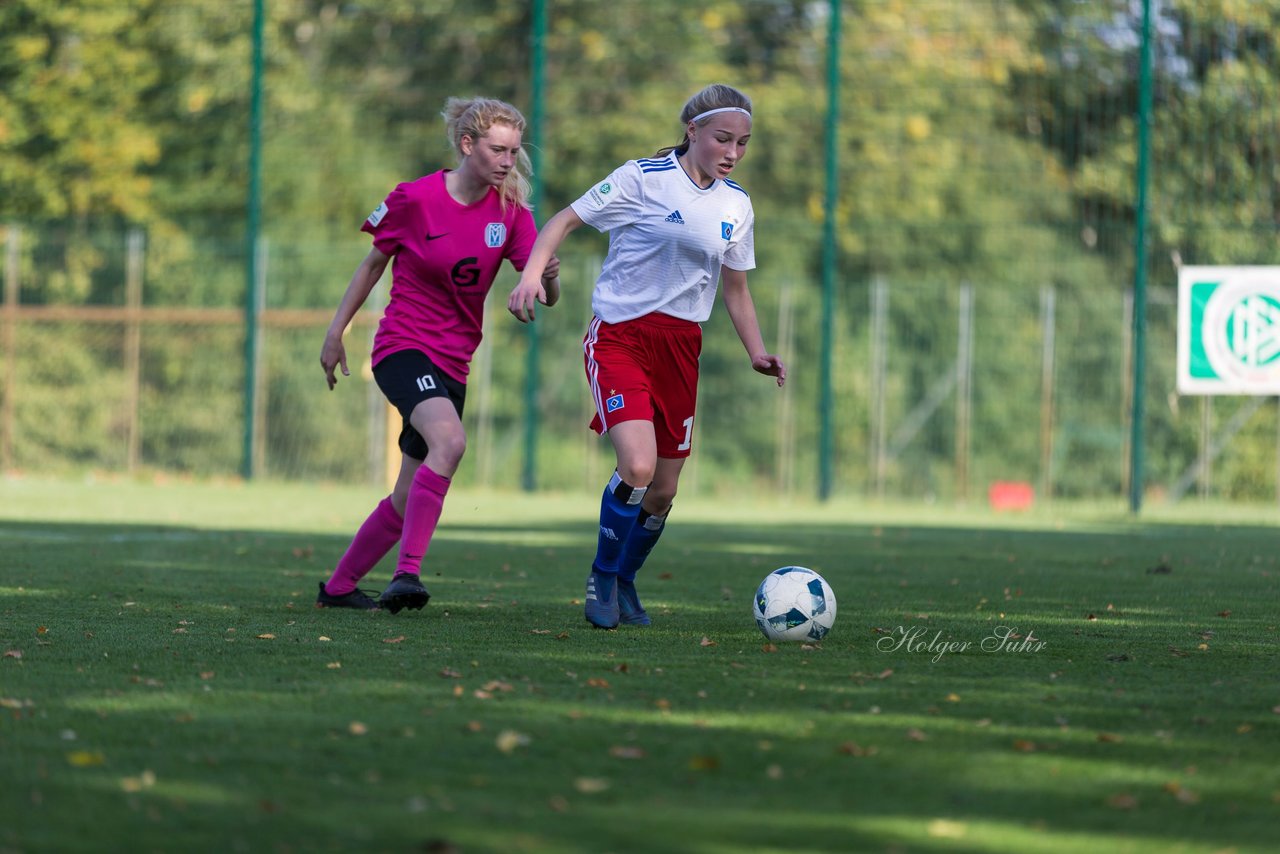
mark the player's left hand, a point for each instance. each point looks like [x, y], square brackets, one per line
[552, 269]
[770, 365]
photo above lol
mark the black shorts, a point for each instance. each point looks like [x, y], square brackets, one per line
[408, 377]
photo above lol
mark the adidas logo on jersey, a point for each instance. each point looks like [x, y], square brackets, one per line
[675, 217]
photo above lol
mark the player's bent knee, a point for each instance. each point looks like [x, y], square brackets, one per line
[636, 474]
[452, 449]
[660, 498]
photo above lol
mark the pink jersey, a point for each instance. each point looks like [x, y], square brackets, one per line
[446, 257]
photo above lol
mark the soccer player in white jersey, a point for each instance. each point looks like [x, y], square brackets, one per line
[677, 227]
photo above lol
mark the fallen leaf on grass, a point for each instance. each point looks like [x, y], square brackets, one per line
[706, 641]
[558, 803]
[942, 828]
[450, 673]
[852, 748]
[145, 780]
[774, 772]
[324, 639]
[399, 639]
[595, 682]
[591, 785]
[334, 665]
[40, 630]
[1022, 745]
[622, 751]
[769, 647]
[508, 740]
[12, 653]
[1122, 801]
[914, 734]
[1181, 793]
[1226, 613]
[266, 636]
[357, 728]
[704, 763]
[14, 703]
[1109, 738]
[474, 726]
[86, 758]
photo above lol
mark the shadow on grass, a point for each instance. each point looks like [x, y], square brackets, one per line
[176, 683]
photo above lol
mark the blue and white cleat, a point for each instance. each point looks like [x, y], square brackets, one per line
[601, 607]
[630, 611]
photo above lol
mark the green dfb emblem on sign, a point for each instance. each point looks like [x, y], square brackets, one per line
[1229, 330]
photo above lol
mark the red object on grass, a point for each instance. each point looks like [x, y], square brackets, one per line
[1010, 495]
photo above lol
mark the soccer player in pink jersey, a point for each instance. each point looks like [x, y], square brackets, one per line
[448, 232]
[678, 226]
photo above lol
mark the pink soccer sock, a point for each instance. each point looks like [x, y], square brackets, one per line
[371, 543]
[421, 513]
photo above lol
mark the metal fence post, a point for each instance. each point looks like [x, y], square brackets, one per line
[1140, 265]
[9, 344]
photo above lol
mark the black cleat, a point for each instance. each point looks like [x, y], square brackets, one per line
[355, 599]
[404, 591]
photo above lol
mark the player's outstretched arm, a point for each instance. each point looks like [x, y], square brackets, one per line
[532, 287]
[742, 311]
[333, 354]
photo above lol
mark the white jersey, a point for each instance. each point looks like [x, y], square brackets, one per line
[668, 238]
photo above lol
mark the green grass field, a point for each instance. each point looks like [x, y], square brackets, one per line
[167, 685]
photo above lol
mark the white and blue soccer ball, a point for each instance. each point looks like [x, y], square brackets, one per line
[794, 604]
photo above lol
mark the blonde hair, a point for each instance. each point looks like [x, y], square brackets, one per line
[473, 117]
[713, 97]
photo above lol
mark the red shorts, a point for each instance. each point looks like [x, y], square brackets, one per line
[645, 369]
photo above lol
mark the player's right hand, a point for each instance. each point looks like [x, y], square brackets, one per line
[524, 297]
[332, 355]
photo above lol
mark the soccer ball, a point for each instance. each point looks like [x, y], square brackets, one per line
[794, 604]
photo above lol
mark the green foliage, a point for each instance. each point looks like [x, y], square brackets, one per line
[992, 145]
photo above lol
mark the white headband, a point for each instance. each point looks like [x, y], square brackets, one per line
[700, 116]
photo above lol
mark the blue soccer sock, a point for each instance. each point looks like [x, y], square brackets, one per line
[644, 533]
[619, 507]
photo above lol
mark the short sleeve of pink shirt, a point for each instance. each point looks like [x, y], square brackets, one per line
[446, 257]
[389, 223]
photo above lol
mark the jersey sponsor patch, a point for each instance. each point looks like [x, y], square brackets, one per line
[379, 212]
[614, 403]
[675, 217]
[726, 230]
[495, 234]
[601, 194]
